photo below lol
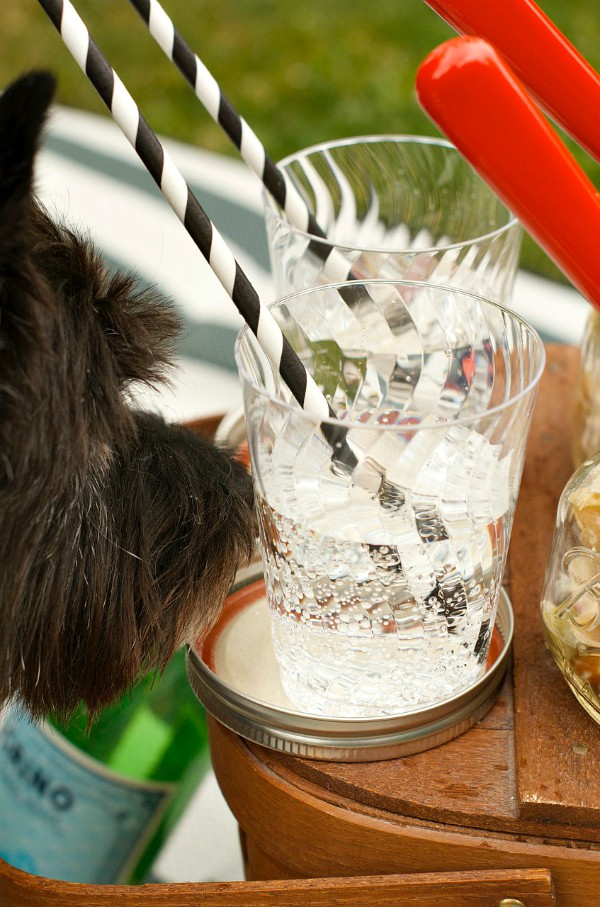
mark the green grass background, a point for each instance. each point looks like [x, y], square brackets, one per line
[299, 71]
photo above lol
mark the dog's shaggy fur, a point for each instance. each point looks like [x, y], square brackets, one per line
[120, 534]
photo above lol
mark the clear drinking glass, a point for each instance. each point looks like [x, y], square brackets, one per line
[384, 556]
[394, 207]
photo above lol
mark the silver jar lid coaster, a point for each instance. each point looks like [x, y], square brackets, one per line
[234, 673]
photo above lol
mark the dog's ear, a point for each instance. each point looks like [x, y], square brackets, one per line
[136, 562]
[23, 109]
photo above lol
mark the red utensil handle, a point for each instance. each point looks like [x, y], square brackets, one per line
[472, 95]
[556, 74]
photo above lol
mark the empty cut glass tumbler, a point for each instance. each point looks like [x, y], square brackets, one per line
[384, 554]
[399, 207]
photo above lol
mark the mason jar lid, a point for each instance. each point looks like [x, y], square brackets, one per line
[235, 675]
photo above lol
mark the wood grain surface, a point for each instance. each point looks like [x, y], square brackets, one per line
[464, 889]
[297, 831]
[557, 743]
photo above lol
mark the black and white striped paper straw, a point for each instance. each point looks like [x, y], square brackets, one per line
[253, 152]
[174, 187]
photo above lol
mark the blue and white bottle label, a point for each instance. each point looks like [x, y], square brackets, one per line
[63, 815]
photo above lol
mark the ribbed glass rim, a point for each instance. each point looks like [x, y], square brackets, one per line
[369, 426]
[275, 210]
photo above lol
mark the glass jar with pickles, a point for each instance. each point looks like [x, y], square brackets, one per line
[571, 595]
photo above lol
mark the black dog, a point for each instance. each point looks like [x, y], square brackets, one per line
[120, 534]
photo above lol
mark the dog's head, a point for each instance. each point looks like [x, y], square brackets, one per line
[120, 534]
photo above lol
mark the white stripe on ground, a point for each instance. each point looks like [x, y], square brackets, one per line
[142, 232]
[228, 176]
[197, 389]
[557, 311]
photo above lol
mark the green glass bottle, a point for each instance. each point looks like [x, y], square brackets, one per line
[96, 805]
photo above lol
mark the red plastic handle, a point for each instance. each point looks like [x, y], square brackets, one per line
[555, 73]
[476, 100]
